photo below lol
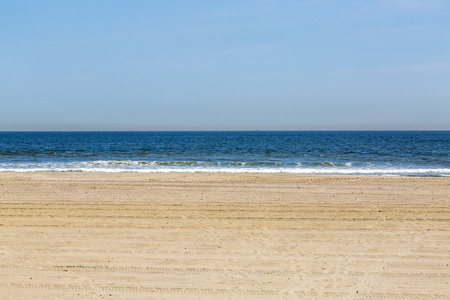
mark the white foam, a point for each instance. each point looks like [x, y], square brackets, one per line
[297, 170]
[213, 167]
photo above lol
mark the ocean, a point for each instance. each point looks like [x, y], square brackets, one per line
[410, 153]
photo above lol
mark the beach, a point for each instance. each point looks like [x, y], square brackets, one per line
[77, 235]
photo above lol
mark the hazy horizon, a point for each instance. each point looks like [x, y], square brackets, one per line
[255, 130]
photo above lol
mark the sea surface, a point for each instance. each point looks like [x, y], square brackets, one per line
[411, 153]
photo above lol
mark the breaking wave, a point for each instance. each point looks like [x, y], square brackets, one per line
[114, 166]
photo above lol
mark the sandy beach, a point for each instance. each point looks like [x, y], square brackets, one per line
[223, 236]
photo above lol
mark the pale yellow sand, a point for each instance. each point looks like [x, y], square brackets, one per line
[223, 236]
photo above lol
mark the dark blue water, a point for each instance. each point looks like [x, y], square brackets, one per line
[422, 153]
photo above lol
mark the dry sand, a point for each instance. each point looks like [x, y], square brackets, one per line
[223, 236]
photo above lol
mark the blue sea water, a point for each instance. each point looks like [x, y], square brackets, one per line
[415, 153]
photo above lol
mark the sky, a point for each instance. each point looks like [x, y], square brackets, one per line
[225, 65]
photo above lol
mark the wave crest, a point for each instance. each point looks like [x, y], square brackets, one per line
[220, 167]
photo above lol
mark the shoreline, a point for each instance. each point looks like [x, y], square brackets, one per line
[331, 174]
[219, 175]
[223, 235]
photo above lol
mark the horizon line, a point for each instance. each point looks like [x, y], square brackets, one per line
[226, 130]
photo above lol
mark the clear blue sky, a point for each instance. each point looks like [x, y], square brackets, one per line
[224, 65]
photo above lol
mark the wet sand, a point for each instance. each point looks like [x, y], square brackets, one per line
[223, 236]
